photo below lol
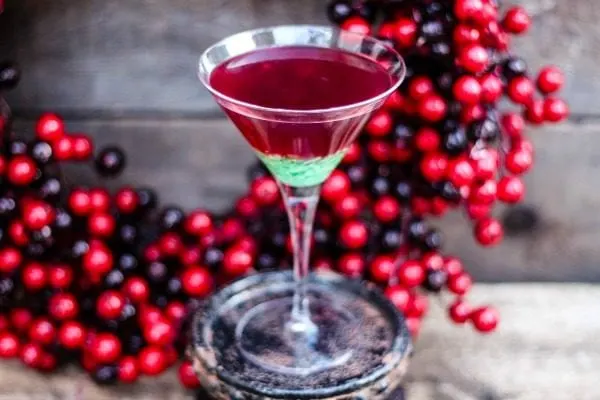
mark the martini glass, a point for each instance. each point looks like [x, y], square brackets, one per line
[299, 95]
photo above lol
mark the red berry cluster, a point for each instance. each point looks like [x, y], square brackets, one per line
[441, 142]
[80, 281]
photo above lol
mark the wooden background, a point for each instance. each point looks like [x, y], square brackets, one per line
[124, 71]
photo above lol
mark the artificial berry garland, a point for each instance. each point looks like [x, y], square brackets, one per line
[109, 280]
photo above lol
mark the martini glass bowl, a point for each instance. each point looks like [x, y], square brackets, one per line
[300, 95]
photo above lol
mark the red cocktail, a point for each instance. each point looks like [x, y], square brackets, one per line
[300, 95]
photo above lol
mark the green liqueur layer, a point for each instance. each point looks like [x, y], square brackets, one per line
[301, 172]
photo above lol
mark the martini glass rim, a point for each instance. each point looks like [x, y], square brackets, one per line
[204, 76]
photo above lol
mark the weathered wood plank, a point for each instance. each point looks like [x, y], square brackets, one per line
[142, 54]
[546, 348]
[202, 163]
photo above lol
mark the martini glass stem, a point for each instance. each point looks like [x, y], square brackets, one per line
[301, 205]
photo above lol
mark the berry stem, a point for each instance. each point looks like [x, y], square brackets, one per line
[301, 206]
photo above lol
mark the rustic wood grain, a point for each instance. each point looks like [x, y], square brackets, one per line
[545, 349]
[126, 56]
[202, 164]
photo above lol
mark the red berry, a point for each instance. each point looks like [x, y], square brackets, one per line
[471, 113]
[198, 223]
[521, 90]
[175, 311]
[98, 261]
[348, 207]
[159, 333]
[231, 229]
[411, 273]
[484, 193]
[21, 170]
[187, 375]
[382, 268]
[83, 147]
[380, 124]
[71, 335]
[354, 234]
[137, 290]
[336, 187]
[10, 259]
[152, 361]
[427, 139]
[128, 369]
[555, 110]
[432, 108]
[477, 211]
[352, 265]
[420, 205]
[237, 262]
[460, 284]
[511, 189]
[197, 282]
[386, 209]
[245, 207]
[485, 319]
[265, 191]
[9, 345]
[414, 326]
[400, 296]
[170, 244]
[379, 150]
[550, 79]
[101, 224]
[491, 88]
[49, 127]
[127, 200]
[79, 202]
[110, 305]
[63, 306]
[20, 319]
[453, 266]
[99, 200]
[31, 355]
[34, 276]
[468, 10]
[473, 58]
[467, 90]
[434, 166]
[37, 214]
[513, 125]
[534, 112]
[60, 276]
[485, 163]
[460, 172]
[405, 32]
[518, 161]
[489, 232]
[149, 315]
[459, 312]
[356, 25]
[433, 261]
[42, 331]
[353, 154]
[420, 87]
[464, 35]
[105, 348]
[516, 20]
[395, 102]
[18, 233]
[418, 306]
[62, 148]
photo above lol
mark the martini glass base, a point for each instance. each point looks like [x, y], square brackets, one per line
[242, 349]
